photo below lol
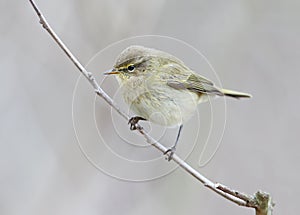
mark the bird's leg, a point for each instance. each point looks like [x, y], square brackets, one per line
[134, 121]
[172, 150]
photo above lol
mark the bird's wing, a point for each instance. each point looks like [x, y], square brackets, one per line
[183, 78]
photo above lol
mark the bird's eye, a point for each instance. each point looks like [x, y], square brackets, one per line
[130, 68]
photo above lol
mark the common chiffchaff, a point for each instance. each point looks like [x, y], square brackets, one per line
[160, 88]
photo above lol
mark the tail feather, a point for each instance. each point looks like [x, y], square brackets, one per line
[235, 94]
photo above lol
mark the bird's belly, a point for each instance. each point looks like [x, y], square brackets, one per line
[165, 106]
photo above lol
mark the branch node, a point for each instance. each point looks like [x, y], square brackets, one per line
[90, 76]
[264, 203]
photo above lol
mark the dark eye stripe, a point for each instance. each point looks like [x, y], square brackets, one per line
[122, 69]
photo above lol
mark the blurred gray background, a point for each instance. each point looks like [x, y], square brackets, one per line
[253, 45]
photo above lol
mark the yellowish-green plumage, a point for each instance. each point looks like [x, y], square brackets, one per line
[160, 88]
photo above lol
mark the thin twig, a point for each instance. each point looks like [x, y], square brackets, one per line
[232, 192]
[261, 201]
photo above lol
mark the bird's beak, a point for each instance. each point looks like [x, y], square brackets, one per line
[112, 72]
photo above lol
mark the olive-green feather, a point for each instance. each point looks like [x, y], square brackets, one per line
[180, 77]
[197, 84]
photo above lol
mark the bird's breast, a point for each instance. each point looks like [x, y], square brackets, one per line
[159, 103]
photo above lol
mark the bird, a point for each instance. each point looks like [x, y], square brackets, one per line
[161, 89]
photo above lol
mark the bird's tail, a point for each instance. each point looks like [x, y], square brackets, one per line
[235, 94]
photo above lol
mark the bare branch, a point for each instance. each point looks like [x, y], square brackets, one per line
[261, 202]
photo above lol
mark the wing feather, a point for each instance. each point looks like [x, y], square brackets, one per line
[180, 77]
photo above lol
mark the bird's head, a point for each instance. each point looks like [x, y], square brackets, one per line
[136, 61]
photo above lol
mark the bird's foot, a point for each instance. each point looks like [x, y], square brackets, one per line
[133, 122]
[170, 152]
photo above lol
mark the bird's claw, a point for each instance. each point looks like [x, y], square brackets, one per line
[170, 152]
[133, 122]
